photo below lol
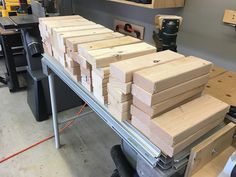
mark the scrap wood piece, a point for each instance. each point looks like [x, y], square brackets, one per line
[210, 148]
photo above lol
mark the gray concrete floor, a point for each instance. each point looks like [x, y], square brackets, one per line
[85, 151]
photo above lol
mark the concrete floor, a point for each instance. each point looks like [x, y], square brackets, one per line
[85, 153]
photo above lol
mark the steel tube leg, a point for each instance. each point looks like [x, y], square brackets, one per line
[54, 109]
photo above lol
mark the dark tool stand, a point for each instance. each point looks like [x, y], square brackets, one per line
[166, 38]
[38, 97]
[14, 58]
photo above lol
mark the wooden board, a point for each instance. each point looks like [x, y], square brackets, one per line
[102, 72]
[120, 116]
[120, 107]
[223, 87]
[119, 96]
[152, 99]
[84, 48]
[123, 70]
[72, 43]
[62, 38]
[64, 30]
[101, 99]
[210, 148]
[190, 118]
[230, 17]
[161, 77]
[142, 125]
[123, 87]
[62, 23]
[103, 57]
[168, 104]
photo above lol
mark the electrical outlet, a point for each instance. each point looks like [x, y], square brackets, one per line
[230, 17]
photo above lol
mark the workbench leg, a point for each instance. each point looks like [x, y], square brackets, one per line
[54, 109]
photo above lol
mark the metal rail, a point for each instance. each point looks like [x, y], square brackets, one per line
[124, 129]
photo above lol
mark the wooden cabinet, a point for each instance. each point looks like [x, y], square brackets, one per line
[155, 3]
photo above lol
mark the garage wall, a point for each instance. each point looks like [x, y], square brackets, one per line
[203, 34]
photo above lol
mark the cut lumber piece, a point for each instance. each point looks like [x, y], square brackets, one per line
[74, 71]
[214, 167]
[62, 23]
[120, 116]
[101, 99]
[190, 118]
[102, 72]
[123, 70]
[83, 26]
[122, 87]
[100, 91]
[210, 148]
[72, 43]
[42, 20]
[98, 80]
[119, 96]
[103, 57]
[62, 38]
[86, 81]
[168, 104]
[56, 32]
[152, 99]
[125, 40]
[83, 62]
[165, 148]
[223, 87]
[120, 107]
[161, 77]
[71, 63]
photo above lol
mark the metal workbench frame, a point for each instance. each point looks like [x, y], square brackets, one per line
[125, 130]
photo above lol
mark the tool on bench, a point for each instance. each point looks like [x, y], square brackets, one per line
[15, 7]
[168, 26]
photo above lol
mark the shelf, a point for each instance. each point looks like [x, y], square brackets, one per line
[155, 3]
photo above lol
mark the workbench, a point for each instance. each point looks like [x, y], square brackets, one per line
[125, 130]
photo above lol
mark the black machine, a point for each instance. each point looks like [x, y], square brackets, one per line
[168, 29]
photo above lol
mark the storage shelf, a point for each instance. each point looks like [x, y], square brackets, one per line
[155, 3]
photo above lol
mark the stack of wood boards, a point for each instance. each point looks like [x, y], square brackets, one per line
[86, 49]
[163, 87]
[175, 130]
[121, 78]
